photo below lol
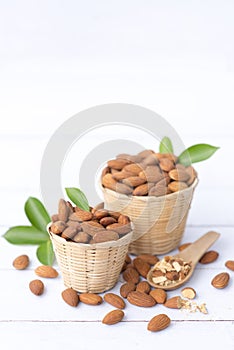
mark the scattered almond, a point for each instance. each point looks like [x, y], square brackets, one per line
[188, 292]
[149, 259]
[159, 295]
[90, 298]
[141, 266]
[115, 300]
[141, 299]
[21, 262]
[158, 323]
[46, 271]
[113, 317]
[230, 264]
[36, 287]
[126, 288]
[209, 257]
[131, 275]
[143, 287]
[221, 280]
[174, 302]
[70, 296]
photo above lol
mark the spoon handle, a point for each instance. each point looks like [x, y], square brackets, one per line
[195, 251]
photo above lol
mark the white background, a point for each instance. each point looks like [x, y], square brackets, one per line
[60, 57]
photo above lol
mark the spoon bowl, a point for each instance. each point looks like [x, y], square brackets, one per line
[191, 254]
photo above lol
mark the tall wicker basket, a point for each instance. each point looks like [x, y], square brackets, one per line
[159, 221]
[90, 267]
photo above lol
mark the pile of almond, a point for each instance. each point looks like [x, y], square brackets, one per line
[94, 226]
[147, 174]
[170, 270]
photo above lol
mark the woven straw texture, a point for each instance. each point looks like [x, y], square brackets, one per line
[92, 268]
[159, 222]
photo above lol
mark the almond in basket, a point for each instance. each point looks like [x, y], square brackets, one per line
[91, 225]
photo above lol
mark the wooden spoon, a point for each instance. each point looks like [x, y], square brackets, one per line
[191, 254]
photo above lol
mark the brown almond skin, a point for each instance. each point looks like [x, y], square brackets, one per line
[70, 296]
[133, 168]
[117, 164]
[114, 300]
[209, 257]
[100, 213]
[21, 262]
[58, 227]
[122, 188]
[141, 190]
[176, 186]
[159, 295]
[90, 298]
[46, 271]
[123, 219]
[105, 236]
[141, 266]
[126, 288]
[158, 323]
[230, 264]
[174, 303]
[221, 280]
[143, 287]
[69, 232]
[63, 210]
[131, 275]
[179, 175]
[36, 287]
[54, 218]
[166, 164]
[81, 237]
[83, 215]
[141, 299]
[113, 317]
[109, 182]
[133, 181]
[148, 258]
[107, 220]
[184, 246]
[119, 228]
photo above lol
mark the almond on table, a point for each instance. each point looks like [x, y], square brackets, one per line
[21, 262]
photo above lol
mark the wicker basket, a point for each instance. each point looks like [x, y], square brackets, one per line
[158, 221]
[90, 267]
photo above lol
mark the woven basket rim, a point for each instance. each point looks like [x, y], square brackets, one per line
[126, 239]
[151, 198]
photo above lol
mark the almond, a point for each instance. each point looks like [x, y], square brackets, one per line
[176, 186]
[105, 236]
[83, 215]
[174, 302]
[133, 168]
[169, 156]
[90, 298]
[100, 213]
[36, 287]
[152, 173]
[117, 164]
[159, 295]
[105, 171]
[121, 175]
[58, 227]
[63, 210]
[141, 190]
[126, 288]
[145, 153]
[115, 300]
[122, 188]
[70, 296]
[123, 219]
[21, 262]
[183, 246]
[158, 190]
[46, 271]
[158, 323]
[221, 280]
[192, 175]
[179, 175]
[141, 299]
[143, 287]
[119, 228]
[109, 182]
[54, 218]
[107, 220]
[149, 259]
[230, 264]
[141, 266]
[166, 164]
[209, 257]
[69, 232]
[81, 237]
[133, 181]
[152, 159]
[131, 275]
[113, 317]
[188, 292]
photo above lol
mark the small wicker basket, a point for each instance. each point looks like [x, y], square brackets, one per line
[158, 221]
[92, 268]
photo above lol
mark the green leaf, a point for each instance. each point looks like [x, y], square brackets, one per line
[25, 235]
[197, 153]
[78, 197]
[45, 253]
[166, 146]
[36, 213]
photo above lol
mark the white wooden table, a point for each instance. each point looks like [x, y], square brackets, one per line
[30, 322]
